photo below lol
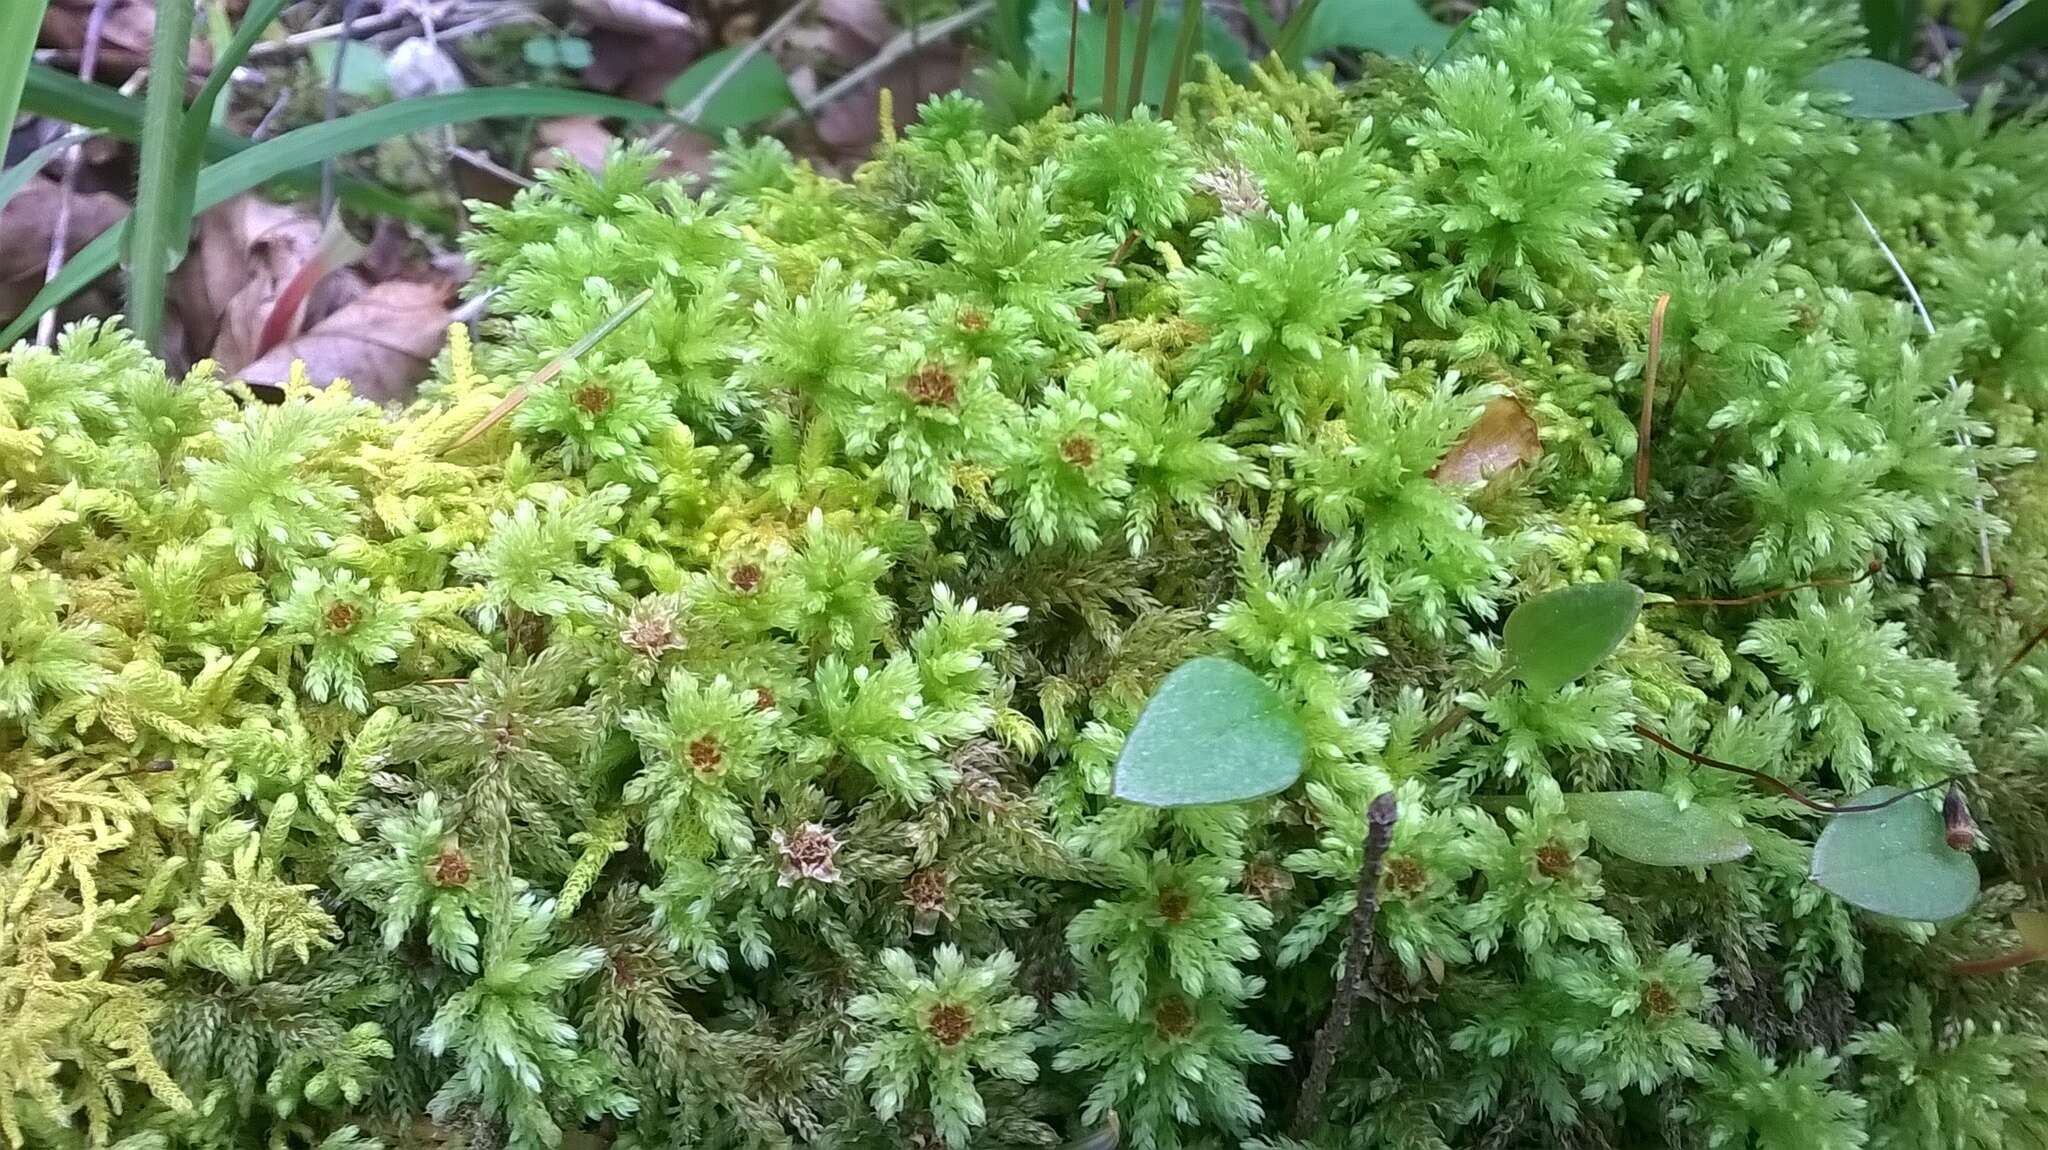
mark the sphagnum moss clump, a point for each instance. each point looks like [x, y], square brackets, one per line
[717, 752]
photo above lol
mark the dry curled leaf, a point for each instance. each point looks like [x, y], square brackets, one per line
[30, 222]
[125, 36]
[1503, 437]
[631, 15]
[247, 251]
[585, 140]
[381, 342]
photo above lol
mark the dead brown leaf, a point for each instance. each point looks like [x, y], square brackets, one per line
[851, 124]
[124, 38]
[1503, 437]
[586, 140]
[583, 139]
[246, 252]
[381, 342]
[27, 226]
[631, 15]
[639, 66]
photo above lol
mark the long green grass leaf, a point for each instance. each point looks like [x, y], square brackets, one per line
[303, 147]
[61, 96]
[1148, 12]
[17, 177]
[20, 22]
[199, 118]
[157, 192]
[1183, 58]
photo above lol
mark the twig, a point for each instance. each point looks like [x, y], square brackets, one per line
[1649, 408]
[297, 42]
[694, 110]
[1780, 785]
[883, 59]
[333, 108]
[1982, 966]
[2026, 648]
[548, 371]
[1379, 831]
[1871, 569]
[1927, 322]
[263, 126]
[67, 182]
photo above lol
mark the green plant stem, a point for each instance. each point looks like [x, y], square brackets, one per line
[157, 190]
[1288, 48]
[1141, 44]
[1112, 56]
[1379, 831]
[1183, 55]
[20, 22]
[1780, 785]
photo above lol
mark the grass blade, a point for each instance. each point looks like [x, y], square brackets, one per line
[1148, 11]
[21, 21]
[157, 192]
[304, 147]
[548, 371]
[1191, 17]
[1288, 47]
[199, 118]
[61, 96]
[17, 177]
[1112, 56]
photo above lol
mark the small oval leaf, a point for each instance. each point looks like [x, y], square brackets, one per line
[1881, 91]
[1214, 732]
[1560, 635]
[1895, 861]
[1651, 829]
[2033, 928]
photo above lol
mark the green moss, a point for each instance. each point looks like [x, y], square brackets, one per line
[717, 751]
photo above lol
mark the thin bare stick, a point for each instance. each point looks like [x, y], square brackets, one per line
[1649, 409]
[1780, 785]
[2019, 656]
[884, 58]
[332, 110]
[1927, 322]
[694, 110]
[1379, 831]
[298, 42]
[1983, 966]
[67, 182]
[1073, 43]
[548, 371]
[1871, 569]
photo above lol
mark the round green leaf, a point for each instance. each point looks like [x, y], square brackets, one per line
[1213, 733]
[1652, 829]
[1398, 28]
[1881, 91]
[1895, 861]
[753, 94]
[1560, 635]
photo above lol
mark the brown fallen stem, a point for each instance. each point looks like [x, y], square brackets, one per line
[548, 371]
[1873, 568]
[1379, 831]
[2026, 648]
[2005, 581]
[1996, 963]
[1780, 785]
[1649, 408]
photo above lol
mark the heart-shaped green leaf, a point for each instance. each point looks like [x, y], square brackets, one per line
[1881, 91]
[1652, 829]
[1213, 733]
[1560, 635]
[1895, 861]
